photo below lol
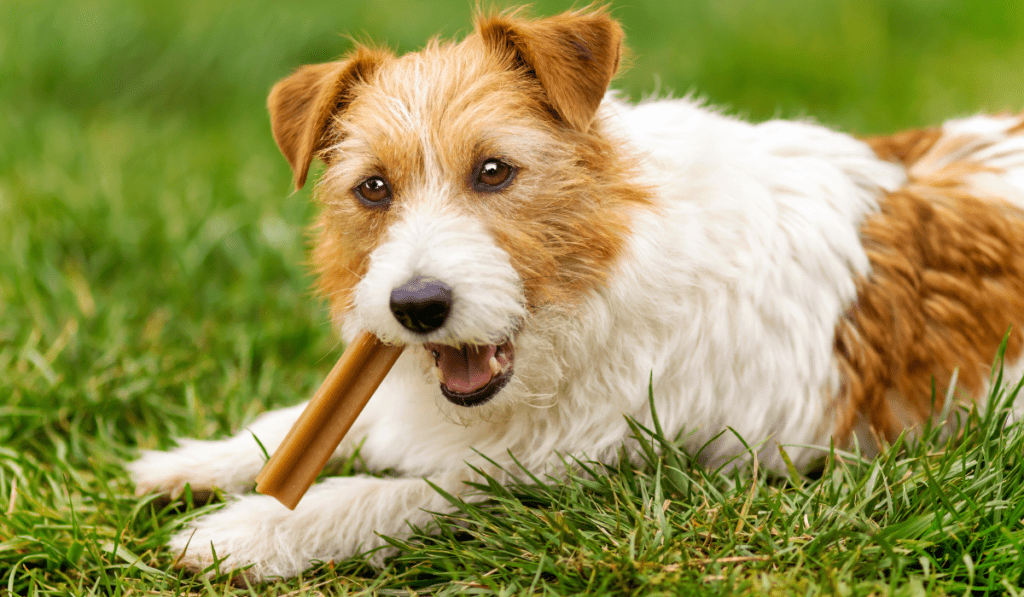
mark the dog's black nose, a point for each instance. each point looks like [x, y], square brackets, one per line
[422, 304]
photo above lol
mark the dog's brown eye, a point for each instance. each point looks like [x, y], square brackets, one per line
[374, 192]
[493, 175]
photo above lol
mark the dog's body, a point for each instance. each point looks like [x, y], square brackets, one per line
[788, 282]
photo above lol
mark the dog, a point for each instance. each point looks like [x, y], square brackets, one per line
[552, 256]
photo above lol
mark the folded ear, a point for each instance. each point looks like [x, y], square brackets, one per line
[574, 56]
[302, 104]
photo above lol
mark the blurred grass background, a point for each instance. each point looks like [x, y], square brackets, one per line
[151, 277]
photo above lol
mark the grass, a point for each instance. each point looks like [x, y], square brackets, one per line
[151, 287]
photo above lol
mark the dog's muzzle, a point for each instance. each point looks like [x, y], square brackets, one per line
[469, 374]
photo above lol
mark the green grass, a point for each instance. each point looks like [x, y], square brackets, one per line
[152, 286]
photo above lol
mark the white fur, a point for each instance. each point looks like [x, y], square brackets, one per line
[727, 296]
[434, 241]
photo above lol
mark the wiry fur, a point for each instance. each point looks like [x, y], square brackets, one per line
[729, 264]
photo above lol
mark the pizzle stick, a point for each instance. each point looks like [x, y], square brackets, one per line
[326, 419]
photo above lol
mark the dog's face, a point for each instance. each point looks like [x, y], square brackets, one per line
[467, 186]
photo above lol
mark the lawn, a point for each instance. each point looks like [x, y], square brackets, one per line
[152, 286]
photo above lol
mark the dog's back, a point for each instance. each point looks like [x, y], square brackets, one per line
[815, 286]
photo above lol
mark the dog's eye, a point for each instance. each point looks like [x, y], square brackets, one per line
[493, 175]
[374, 192]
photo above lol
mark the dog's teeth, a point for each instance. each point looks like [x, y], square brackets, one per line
[437, 373]
[495, 367]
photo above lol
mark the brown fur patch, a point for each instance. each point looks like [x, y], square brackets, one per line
[906, 147]
[574, 55]
[1018, 128]
[563, 232]
[302, 104]
[947, 283]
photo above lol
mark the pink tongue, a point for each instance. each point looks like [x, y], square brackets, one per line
[465, 370]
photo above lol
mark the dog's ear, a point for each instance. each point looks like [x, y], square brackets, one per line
[302, 105]
[574, 56]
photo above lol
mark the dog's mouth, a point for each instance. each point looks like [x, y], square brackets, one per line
[471, 375]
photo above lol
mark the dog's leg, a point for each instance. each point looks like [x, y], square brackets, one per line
[233, 463]
[230, 464]
[338, 518]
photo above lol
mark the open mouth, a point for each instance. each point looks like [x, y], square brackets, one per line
[472, 374]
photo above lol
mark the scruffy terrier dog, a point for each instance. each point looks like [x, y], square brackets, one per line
[564, 249]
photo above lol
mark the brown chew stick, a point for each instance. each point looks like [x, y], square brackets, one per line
[326, 419]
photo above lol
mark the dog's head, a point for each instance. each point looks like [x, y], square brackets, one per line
[466, 186]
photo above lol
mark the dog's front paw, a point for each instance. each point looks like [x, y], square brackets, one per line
[337, 519]
[200, 464]
[249, 533]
